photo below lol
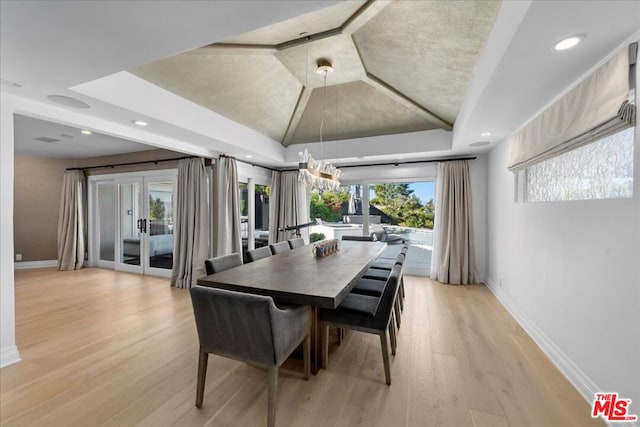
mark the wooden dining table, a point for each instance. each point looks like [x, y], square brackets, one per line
[298, 277]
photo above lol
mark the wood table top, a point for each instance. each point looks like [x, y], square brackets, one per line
[298, 277]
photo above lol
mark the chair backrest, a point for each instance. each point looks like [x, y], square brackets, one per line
[296, 243]
[258, 253]
[234, 324]
[221, 263]
[383, 314]
[359, 238]
[278, 248]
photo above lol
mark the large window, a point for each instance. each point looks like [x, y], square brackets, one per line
[396, 213]
[600, 170]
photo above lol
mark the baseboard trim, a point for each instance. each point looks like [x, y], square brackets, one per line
[35, 264]
[9, 356]
[585, 386]
[580, 381]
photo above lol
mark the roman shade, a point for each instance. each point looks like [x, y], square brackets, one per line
[599, 106]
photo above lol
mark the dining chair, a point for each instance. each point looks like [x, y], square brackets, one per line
[366, 314]
[258, 253]
[374, 286]
[249, 328]
[221, 263]
[278, 248]
[296, 243]
[358, 238]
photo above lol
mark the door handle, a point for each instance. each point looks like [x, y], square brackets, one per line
[139, 225]
[144, 225]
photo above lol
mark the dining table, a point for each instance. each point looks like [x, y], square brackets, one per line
[299, 277]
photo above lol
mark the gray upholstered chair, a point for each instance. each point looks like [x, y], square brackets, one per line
[258, 253]
[359, 238]
[296, 243]
[366, 314]
[221, 263]
[278, 248]
[374, 286]
[249, 328]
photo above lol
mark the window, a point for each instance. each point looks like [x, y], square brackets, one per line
[600, 170]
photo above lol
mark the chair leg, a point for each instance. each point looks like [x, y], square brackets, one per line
[385, 357]
[392, 335]
[396, 308]
[339, 335]
[324, 332]
[306, 352]
[202, 375]
[273, 388]
[401, 294]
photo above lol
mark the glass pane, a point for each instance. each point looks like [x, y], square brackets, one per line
[129, 216]
[161, 202]
[261, 210]
[107, 218]
[244, 212]
[601, 170]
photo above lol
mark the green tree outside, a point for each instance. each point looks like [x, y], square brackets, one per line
[156, 208]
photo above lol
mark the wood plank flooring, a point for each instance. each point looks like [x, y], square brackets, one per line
[102, 348]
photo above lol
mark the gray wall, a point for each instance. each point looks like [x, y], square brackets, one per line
[37, 187]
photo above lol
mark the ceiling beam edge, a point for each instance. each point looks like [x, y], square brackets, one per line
[301, 105]
[363, 15]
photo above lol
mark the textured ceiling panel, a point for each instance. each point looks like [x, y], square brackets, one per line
[254, 90]
[398, 67]
[427, 49]
[316, 22]
[355, 110]
[339, 50]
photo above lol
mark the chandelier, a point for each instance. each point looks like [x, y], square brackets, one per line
[320, 175]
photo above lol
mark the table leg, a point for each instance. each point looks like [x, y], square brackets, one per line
[315, 341]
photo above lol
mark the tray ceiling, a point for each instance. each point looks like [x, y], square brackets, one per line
[400, 66]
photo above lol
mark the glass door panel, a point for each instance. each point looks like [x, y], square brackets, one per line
[160, 218]
[132, 224]
[106, 222]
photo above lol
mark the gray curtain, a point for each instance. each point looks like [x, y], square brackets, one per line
[229, 237]
[191, 231]
[284, 205]
[71, 221]
[452, 259]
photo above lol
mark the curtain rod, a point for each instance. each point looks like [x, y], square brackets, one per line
[132, 163]
[408, 162]
[252, 164]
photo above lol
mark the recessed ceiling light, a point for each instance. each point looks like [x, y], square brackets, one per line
[479, 144]
[485, 134]
[248, 156]
[139, 123]
[567, 43]
[86, 132]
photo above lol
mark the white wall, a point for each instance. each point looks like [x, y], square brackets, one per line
[8, 350]
[570, 274]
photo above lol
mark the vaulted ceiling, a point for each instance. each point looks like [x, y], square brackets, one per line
[401, 66]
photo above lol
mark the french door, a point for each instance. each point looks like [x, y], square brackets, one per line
[131, 222]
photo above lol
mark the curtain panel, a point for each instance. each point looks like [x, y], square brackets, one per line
[284, 205]
[597, 107]
[452, 258]
[229, 234]
[71, 221]
[191, 233]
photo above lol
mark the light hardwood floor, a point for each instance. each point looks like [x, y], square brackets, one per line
[117, 349]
